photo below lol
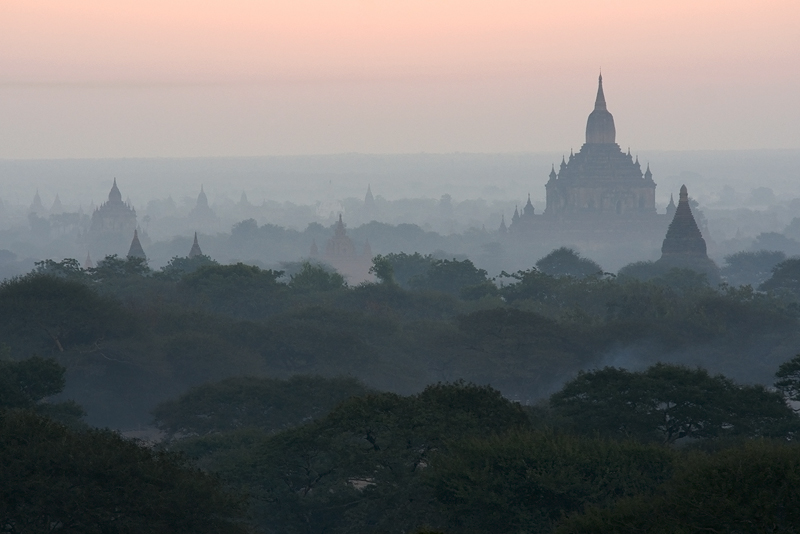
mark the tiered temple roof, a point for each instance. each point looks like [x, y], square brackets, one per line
[136, 250]
[684, 236]
[114, 215]
[600, 178]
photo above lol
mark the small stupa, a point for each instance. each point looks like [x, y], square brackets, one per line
[340, 253]
[195, 251]
[136, 250]
[684, 246]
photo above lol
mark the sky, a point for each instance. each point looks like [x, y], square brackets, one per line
[186, 78]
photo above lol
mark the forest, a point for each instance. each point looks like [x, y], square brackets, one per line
[560, 398]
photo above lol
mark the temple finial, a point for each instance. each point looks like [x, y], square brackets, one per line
[600, 101]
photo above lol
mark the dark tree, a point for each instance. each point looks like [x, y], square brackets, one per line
[450, 276]
[265, 403]
[405, 267]
[28, 383]
[526, 481]
[751, 488]
[113, 267]
[359, 468]
[785, 278]
[42, 313]
[669, 402]
[567, 262]
[53, 479]
[751, 268]
[788, 376]
[383, 270]
[177, 267]
[312, 278]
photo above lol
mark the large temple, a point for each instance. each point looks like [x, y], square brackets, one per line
[601, 180]
[599, 198]
[341, 254]
[112, 225]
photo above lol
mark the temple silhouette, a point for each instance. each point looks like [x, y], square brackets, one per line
[598, 197]
[341, 254]
[113, 224]
[683, 246]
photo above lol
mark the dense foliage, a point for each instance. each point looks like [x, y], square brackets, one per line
[667, 403]
[131, 337]
[53, 479]
[751, 488]
[636, 398]
[264, 403]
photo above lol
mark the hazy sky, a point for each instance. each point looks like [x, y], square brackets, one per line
[107, 78]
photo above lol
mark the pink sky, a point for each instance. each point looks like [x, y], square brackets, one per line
[246, 77]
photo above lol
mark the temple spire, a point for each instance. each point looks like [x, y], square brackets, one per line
[114, 195]
[683, 236]
[600, 101]
[600, 126]
[195, 250]
[136, 250]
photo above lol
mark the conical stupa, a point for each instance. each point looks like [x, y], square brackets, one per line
[684, 246]
[136, 250]
[684, 237]
[195, 251]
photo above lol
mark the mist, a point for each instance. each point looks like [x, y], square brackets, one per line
[326, 267]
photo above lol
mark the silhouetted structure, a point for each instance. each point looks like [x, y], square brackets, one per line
[202, 214]
[195, 250]
[599, 197]
[684, 246]
[112, 224]
[88, 263]
[57, 208]
[114, 216]
[503, 228]
[671, 208]
[525, 221]
[340, 252]
[600, 178]
[36, 205]
[136, 250]
[370, 210]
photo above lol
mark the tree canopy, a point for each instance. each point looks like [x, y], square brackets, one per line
[567, 262]
[668, 402]
[265, 403]
[93, 481]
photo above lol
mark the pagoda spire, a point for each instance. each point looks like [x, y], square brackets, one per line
[683, 236]
[114, 195]
[195, 250]
[503, 228]
[600, 101]
[136, 250]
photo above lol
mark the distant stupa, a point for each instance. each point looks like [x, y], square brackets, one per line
[57, 208]
[202, 214]
[36, 205]
[684, 246]
[195, 251]
[503, 228]
[684, 237]
[340, 252]
[671, 207]
[136, 250]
